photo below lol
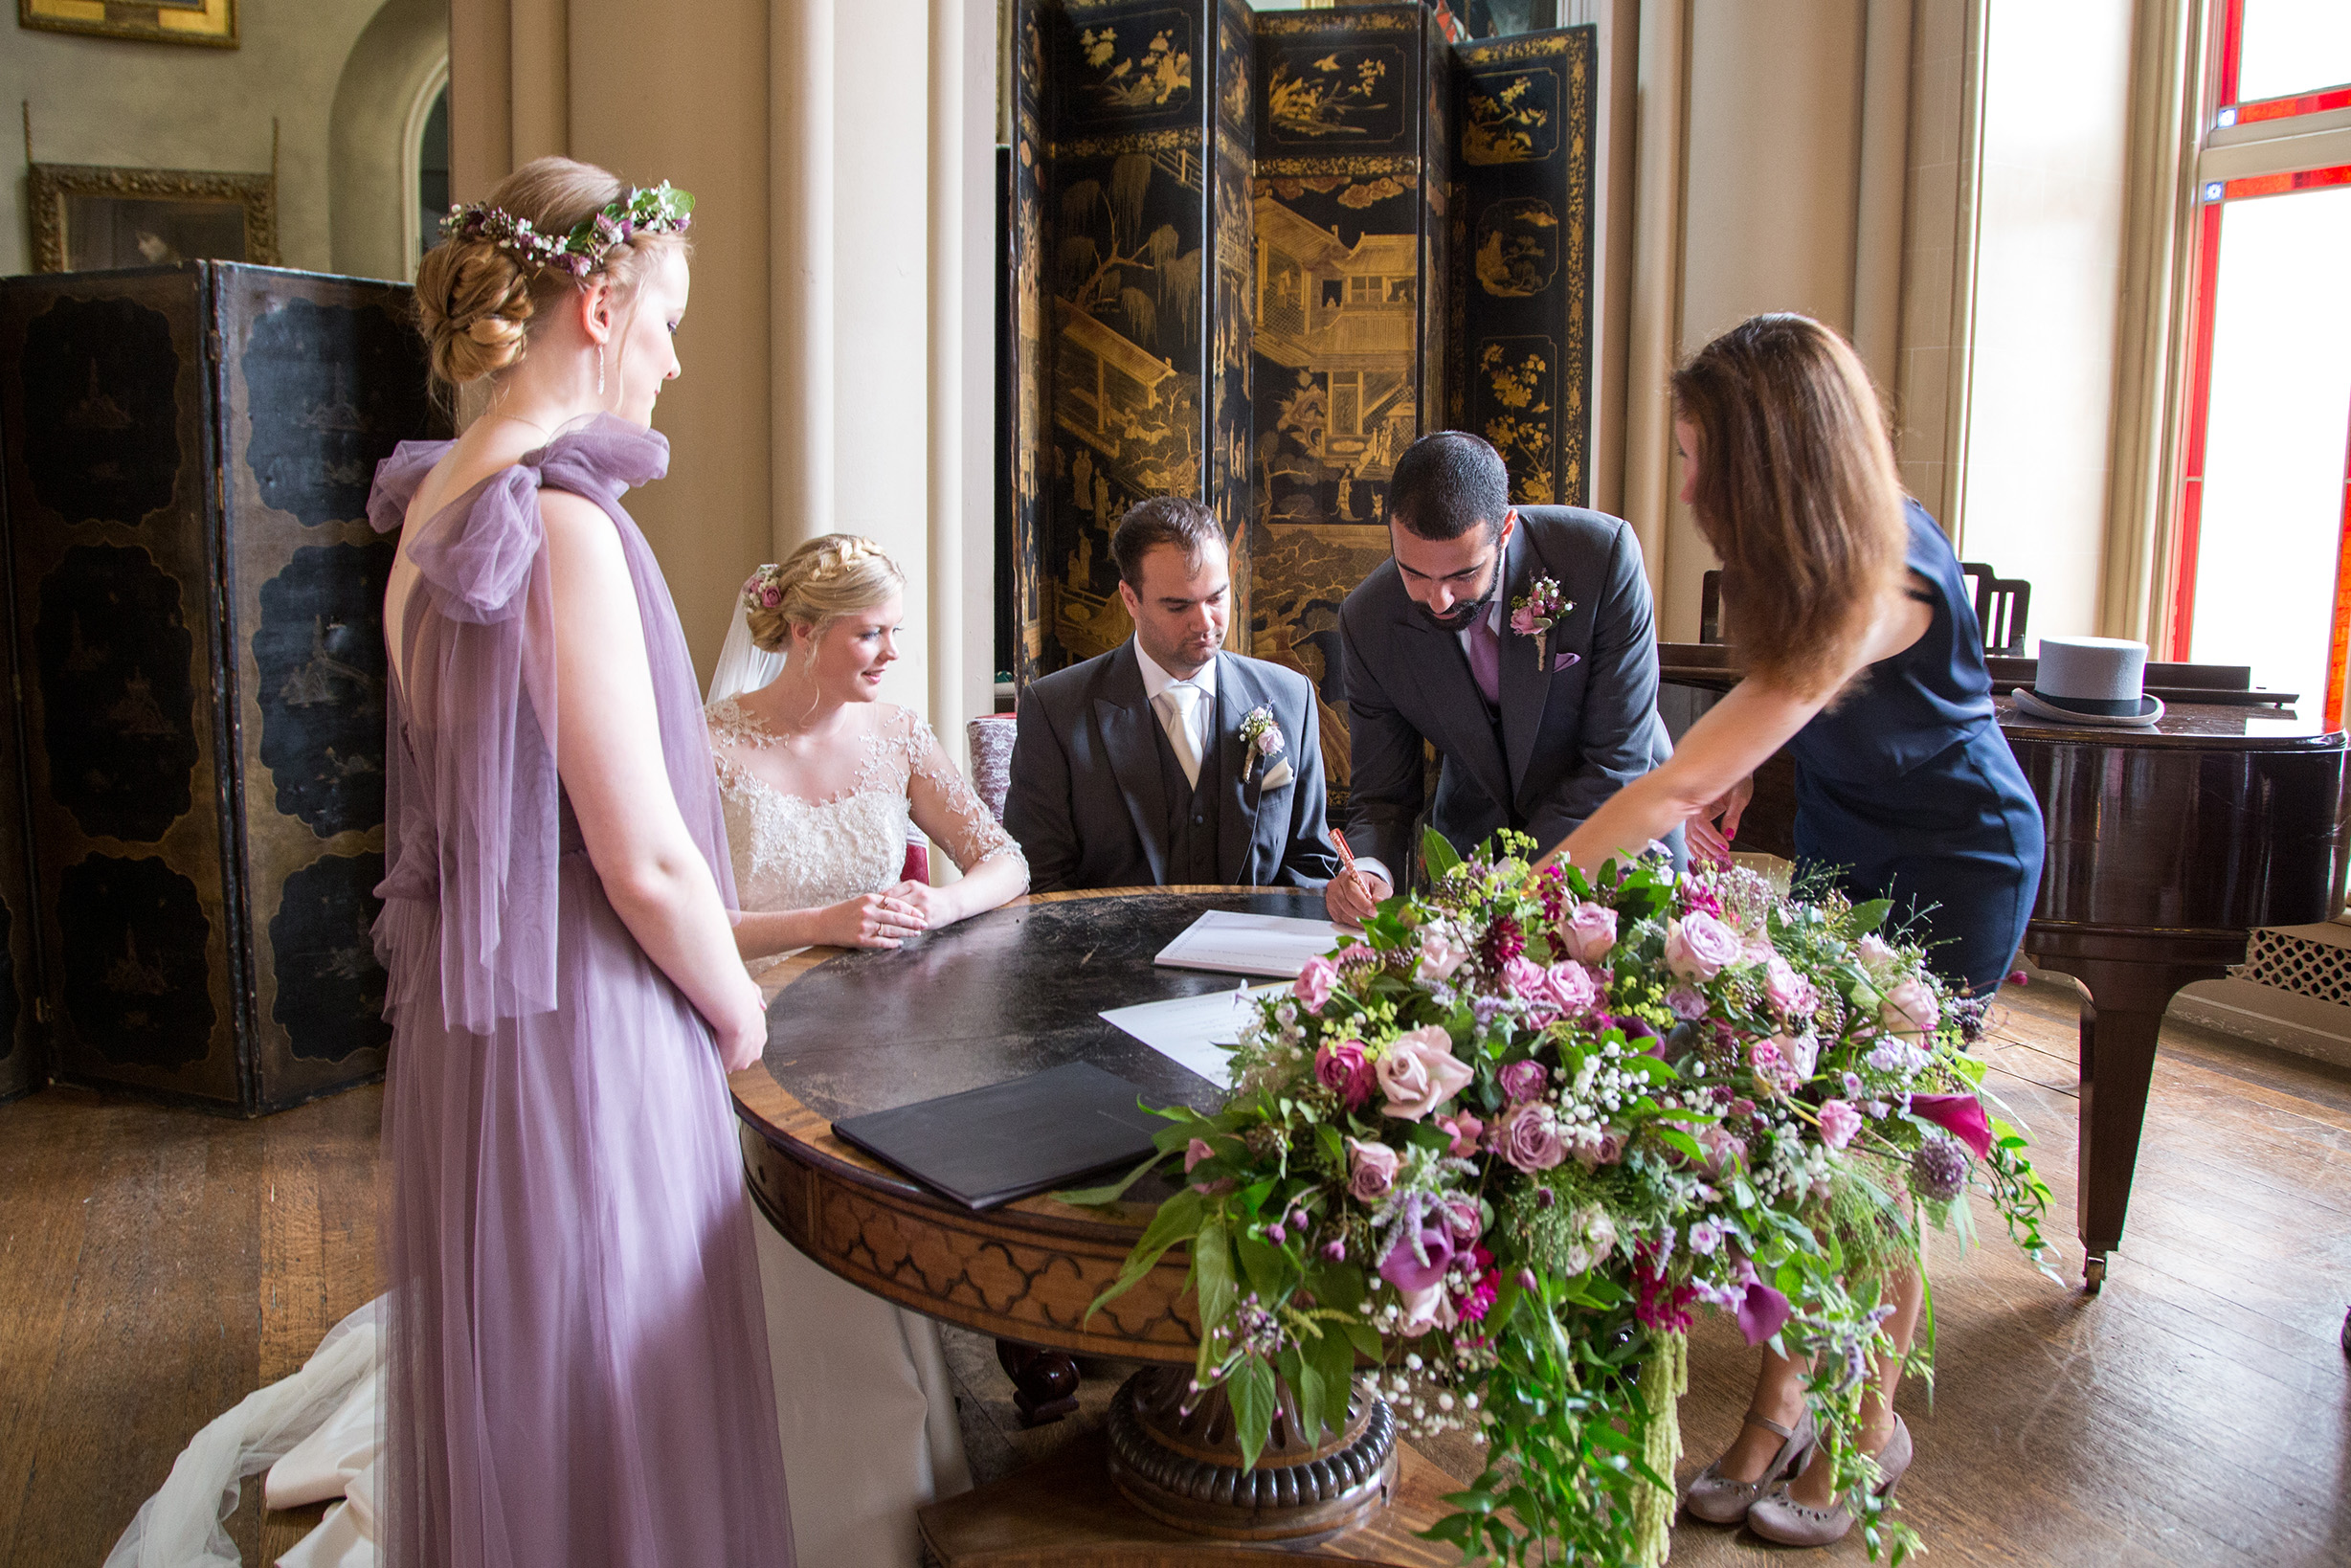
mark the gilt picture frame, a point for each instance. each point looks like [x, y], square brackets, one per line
[86, 217]
[209, 23]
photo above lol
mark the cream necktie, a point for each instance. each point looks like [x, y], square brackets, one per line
[1175, 706]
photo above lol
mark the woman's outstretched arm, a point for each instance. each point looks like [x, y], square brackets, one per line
[953, 816]
[609, 754]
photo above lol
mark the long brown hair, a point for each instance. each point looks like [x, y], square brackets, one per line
[1797, 492]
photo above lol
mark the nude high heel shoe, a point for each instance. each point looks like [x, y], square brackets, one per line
[1781, 1517]
[1718, 1499]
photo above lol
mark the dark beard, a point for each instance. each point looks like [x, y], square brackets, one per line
[1462, 616]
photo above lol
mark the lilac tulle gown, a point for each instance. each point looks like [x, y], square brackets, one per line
[576, 1364]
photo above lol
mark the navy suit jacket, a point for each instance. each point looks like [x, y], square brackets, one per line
[1575, 728]
[1089, 802]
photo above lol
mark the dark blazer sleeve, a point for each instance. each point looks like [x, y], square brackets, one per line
[1040, 810]
[1308, 859]
[1622, 737]
[1385, 785]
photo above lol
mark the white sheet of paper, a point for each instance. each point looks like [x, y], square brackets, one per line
[1191, 1031]
[1249, 943]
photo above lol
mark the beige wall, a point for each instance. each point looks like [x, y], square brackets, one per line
[393, 65]
[152, 105]
[819, 303]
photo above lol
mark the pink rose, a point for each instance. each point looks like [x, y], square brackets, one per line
[1724, 1152]
[1698, 946]
[770, 597]
[1605, 1146]
[1529, 1137]
[1464, 1130]
[1523, 1081]
[1774, 1074]
[1522, 976]
[1910, 1003]
[1342, 1068]
[1839, 1122]
[1424, 1309]
[1462, 1219]
[1316, 979]
[1802, 1053]
[1371, 1170]
[1564, 990]
[1441, 951]
[1685, 1003]
[1878, 961]
[1523, 619]
[1589, 931]
[1419, 1072]
[1787, 991]
[1194, 1151]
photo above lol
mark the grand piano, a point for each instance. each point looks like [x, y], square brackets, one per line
[2166, 848]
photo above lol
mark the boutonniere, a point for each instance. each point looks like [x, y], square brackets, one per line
[1263, 739]
[1533, 612]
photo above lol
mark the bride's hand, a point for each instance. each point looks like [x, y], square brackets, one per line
[871, 920]
[924, 900]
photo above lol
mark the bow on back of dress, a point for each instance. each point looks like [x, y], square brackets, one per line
[473, 805]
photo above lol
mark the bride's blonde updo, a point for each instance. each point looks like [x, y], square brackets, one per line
[476, 299]
[833, 574]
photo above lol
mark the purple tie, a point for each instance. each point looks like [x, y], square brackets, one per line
[1486, 659]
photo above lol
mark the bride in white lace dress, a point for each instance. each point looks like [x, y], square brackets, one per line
[819, 780]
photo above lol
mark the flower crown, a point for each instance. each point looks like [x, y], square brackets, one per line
[763, 589]
[662, 209]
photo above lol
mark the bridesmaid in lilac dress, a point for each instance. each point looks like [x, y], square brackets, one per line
[576, 1371]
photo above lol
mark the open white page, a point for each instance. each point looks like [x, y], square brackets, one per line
[1277, 945]
[1191, 1031]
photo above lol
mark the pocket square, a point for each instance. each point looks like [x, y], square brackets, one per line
[1563, 660]
[1277, 775]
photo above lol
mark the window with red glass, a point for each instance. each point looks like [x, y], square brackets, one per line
[2261, 551]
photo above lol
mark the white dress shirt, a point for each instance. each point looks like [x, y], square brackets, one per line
[1203, 712]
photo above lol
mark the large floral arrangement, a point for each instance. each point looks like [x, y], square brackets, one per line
[1502, 1147]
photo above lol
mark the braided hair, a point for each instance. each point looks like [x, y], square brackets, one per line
[832, 575]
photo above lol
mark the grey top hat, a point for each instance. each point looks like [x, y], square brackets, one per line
[2092, 679]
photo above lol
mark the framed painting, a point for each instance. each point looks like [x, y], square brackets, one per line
[87, 219]
[209, 22]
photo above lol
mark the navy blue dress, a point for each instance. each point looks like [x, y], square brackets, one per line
[1907, 790]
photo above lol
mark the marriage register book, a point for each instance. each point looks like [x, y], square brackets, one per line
[1232, 943]
[989, 1146]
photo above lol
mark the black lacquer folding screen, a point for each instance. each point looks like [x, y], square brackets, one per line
[1253, 256]
[197, 614]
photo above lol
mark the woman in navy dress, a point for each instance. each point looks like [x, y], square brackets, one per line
[1863, 656]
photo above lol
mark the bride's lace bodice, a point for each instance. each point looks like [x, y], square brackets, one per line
[795, 854]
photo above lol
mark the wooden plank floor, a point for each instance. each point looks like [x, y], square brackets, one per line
[156, 1265]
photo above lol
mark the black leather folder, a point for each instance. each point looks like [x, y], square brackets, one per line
[989, 1146]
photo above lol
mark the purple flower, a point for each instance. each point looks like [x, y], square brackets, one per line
[1705, 1237]
[1938, 1170]
[1313, 987]
[1335, 1249]
[1524, 622]
[1590, 931]
[1763, 1312]
[1839, 1122]
[1685, 1003]
[1407, 1272]
[1698, 946]
[1724, 1151]
[1523, 1081]
[1529, 1137]
[1462, 1219]
[1852, 1085]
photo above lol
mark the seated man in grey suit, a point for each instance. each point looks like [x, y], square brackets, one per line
[1533, 727]
[1166, 761]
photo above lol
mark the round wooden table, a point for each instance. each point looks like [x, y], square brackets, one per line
[1003, 995]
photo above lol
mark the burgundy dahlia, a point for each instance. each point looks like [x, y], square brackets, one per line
[1504, 941]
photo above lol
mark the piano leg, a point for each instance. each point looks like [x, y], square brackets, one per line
[2122, 1014]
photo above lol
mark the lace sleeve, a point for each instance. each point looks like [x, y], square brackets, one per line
[945, 808]
[725, 722]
